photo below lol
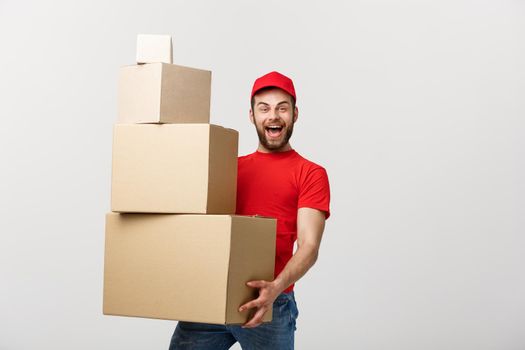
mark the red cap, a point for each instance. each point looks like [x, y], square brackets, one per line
[274, 79]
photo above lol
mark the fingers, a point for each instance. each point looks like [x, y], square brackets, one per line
[262, 303]
[256, 284]
[250, 304]
[256, 319]
[256, 302]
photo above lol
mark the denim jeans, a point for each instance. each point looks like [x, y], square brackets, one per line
[278, 334]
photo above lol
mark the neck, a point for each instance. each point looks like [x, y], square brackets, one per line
[284, 148]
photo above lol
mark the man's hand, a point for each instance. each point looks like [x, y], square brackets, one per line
[268, 292]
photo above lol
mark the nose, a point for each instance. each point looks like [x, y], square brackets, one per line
[274, 114]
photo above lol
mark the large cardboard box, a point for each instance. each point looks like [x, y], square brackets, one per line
[163, 93]
[186, 267]
[174, 168]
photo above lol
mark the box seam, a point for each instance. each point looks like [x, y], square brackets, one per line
[161, 92]
[209, 171]
[230, 218]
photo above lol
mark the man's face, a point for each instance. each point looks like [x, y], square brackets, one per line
[274, 117]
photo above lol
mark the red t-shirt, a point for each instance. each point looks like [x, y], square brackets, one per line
[277, 185]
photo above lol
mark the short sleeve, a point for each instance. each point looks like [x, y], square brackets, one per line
[314, 191]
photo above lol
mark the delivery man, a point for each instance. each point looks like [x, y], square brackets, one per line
[274, 181]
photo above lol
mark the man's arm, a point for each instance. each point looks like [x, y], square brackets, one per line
[310, 227]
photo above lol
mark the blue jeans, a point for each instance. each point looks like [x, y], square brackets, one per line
[278, 334]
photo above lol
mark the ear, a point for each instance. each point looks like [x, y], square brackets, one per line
[251, 117]
[295, 114]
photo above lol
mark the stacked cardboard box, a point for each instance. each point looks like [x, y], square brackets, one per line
[174, 248]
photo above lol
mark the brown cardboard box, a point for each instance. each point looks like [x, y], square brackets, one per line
[154, 48]
[163, 93]
[186, 267]
[174, 168]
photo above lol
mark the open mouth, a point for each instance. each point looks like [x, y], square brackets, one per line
[274, 131]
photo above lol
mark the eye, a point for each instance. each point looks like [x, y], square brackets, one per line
[283, 109]
[263, 109]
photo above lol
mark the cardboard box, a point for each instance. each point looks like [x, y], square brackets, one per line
[154, 49]
[174, 168]
[186, 267]
[163, 93]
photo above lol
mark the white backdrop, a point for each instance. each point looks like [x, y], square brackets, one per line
[416, 109]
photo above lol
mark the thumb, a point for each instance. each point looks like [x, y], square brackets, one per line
[256, 284]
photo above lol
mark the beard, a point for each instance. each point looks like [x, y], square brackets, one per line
[274, 144]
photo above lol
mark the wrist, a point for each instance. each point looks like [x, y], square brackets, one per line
[279, 285]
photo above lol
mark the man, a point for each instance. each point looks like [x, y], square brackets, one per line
[274, 181]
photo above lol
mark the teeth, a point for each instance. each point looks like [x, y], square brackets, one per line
[274, 127]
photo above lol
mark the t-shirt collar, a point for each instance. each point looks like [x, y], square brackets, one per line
[275, 155]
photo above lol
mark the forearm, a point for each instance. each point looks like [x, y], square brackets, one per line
[303, 259]
[310, 227]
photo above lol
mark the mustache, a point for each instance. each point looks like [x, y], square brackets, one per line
[275, 123]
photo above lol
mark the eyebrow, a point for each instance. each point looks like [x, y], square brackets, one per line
[266, 104]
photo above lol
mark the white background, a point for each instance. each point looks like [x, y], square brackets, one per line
[415, 108]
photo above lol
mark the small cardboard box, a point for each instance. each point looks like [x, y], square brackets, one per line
[154, 49]
[163, 93]
[186, 267]
[174, 168]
